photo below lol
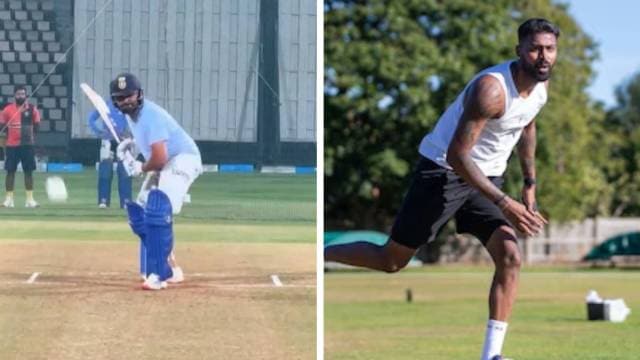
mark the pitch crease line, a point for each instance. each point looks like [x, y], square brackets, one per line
[276, 280]
[33, 277]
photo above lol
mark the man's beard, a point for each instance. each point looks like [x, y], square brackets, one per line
[20, 101]
[532, 70]
[129, 110]
[132, 111]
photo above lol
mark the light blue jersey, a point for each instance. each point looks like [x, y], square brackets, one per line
[155, 124]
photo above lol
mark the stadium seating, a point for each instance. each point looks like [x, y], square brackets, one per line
[29, 49]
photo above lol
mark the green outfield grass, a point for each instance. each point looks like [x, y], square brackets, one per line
[241, 206]
[367, 316]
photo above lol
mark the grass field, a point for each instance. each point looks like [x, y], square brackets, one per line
[86, 302]
[367, 317]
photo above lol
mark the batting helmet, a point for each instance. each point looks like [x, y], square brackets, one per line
[125, 84]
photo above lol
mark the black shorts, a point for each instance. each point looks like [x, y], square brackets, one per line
[436, 195]
[20, 154]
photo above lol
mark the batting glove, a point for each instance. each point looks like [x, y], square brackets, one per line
[125, 146]
[105, 150]
[131, 166]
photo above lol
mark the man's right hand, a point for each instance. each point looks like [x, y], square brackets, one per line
[527, 222]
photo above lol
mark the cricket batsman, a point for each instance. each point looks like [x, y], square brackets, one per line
[174, 159]
[108, 146]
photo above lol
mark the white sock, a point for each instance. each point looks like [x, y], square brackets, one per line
[494, 338]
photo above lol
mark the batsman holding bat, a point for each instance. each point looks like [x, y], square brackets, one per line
[174, 157]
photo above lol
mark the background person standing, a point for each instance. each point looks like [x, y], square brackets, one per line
[21, 120]
[107, 150]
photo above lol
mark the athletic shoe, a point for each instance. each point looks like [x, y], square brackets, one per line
[178, 276]
[102, 206]
[31, 204]
[8, 203]
[153, 283]
[499, 357]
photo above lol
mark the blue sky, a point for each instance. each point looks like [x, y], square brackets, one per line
[614, 25]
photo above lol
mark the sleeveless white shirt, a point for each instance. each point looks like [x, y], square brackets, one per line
[499, 136]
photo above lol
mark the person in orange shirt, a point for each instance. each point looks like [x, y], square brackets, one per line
[21, 120]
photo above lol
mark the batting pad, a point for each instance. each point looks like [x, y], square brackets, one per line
[124, 185]
[158, 220]
[143, 259]
[135, 213]
[105, 173]
[136, 219]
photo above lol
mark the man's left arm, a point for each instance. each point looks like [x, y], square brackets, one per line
[527, 153]
[157, 136]
[159, 157]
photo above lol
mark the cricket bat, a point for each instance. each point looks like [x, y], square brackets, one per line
[102, 108]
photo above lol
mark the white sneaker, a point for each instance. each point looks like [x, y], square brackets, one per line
[31, 204]
[102, 206]
[153, 283]
[8, 203]
[178, 276]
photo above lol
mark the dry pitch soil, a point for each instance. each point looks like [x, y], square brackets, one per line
[86, 302]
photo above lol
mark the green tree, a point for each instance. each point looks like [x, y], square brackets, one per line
[392, 67]
[623, 168]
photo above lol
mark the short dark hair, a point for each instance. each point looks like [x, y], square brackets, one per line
[535, 26]
[18, 88]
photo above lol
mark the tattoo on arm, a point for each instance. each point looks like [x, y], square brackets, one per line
[483, 101]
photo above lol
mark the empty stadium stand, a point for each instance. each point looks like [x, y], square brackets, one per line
[31, 43]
